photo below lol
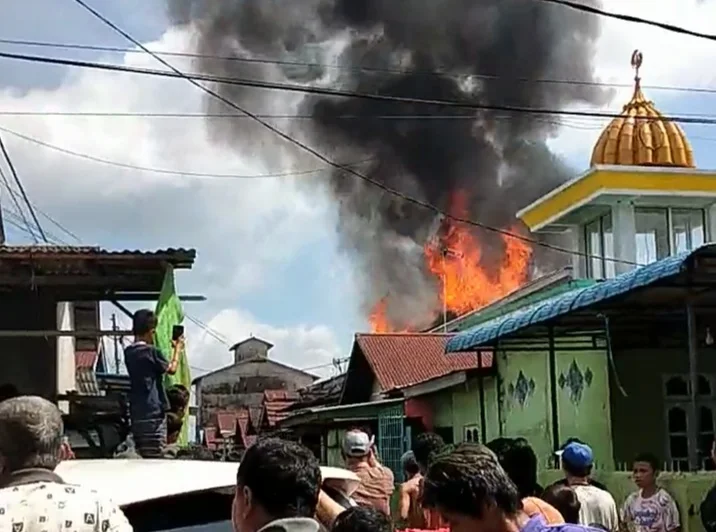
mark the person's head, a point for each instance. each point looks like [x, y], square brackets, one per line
[519, 461]
[426, 446]
[362, 519]
[144, 323]
[565, 500]
[577, 460]
[410, 465]
[178, 397]
[30, 434]
[8, 391]
[470, 489]
[174, 426]
[646, 469]
[357, 445]
[277, 479]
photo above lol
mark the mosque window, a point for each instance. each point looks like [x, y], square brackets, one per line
[599, 245]
[652, 234]
[661, 230]
[687, 229]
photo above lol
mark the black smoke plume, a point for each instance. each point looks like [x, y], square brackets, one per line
[480, 51]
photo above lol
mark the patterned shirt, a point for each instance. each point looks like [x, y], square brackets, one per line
[657, 513]
[35, 500]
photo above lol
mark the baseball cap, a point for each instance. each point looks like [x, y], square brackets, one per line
[578, 455]
[357, 443]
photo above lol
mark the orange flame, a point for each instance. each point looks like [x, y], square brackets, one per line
[454, 258]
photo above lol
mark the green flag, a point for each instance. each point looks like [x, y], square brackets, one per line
[169, 313]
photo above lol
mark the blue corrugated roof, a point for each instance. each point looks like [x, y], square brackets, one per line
[562, 304]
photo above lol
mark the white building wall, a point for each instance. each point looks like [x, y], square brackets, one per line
[65, 377]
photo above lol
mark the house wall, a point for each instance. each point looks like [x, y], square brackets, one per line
[458, 408]
[243, 385]
[29, 363]
[641, 373]
[582, 396]
[688, 490]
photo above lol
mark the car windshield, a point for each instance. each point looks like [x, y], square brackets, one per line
[208, 511]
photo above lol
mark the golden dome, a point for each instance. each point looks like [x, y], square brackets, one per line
[641, 136]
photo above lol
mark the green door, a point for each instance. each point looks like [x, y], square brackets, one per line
[391, 438]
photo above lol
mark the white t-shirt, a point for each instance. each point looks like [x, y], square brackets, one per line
[598, 507]
[657, 513]
[42, 506]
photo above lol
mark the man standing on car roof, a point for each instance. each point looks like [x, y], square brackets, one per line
[32, 496]
[148, 403]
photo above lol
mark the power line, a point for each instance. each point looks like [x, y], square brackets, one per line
[129, 166]
[268, 85]
[328, 161]
[16, 177]
[630, 18]
[13, 196]
[438, 71]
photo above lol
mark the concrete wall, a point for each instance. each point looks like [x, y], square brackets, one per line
[641, 373]
[243, 385]
[458, 408]
[688, 490]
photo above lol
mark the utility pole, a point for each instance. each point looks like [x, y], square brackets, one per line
[2, 226]
[115, 339]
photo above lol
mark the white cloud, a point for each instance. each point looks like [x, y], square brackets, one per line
[670, 59]
[244, 229]
[307, 347]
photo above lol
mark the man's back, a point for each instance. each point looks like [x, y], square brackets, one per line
[146, 367]
[411, 510]
[53, 505]
[597, 507]
[376, 486]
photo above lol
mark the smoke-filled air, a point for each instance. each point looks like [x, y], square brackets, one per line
[479, 164]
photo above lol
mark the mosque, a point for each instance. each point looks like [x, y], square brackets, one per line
[642, 198]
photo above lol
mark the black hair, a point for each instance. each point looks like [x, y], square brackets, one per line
[576, 471]
[143, 322]
[650, 459]
[411, 466]
[519, 460]
[426, 446]
[174, 423]
[178, 397]
[565, 500]
[362, 519]
[284, 477]
[466, 479]
[8, 391]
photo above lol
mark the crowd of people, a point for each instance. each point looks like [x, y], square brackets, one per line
[462, 487]
[467, 487]
[491, 488]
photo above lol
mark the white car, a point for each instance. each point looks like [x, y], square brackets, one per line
[178, 495]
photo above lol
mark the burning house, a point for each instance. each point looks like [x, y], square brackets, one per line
[467, 159]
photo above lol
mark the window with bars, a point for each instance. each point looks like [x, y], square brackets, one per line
[683, 433]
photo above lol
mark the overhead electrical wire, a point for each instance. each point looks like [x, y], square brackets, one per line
[16, 177]
[21, 212]
[194, 78]
[337, 166]
[129, 166]
[439, 71]
[630, 18]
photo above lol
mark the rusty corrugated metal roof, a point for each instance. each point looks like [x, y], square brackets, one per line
[400, 360]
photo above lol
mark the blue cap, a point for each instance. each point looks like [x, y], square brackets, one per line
[578, 455]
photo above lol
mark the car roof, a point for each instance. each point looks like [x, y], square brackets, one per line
[129, 481]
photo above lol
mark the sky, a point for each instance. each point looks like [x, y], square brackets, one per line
[268, 257]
